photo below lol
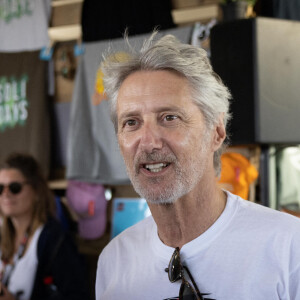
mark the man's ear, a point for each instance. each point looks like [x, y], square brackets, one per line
[219, 133]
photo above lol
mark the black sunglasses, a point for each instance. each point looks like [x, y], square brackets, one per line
[176, 272]
[14, 187]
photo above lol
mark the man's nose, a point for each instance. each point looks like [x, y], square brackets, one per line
[151, 138]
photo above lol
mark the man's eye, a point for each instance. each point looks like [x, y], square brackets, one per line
[130, 123]
[170, 117]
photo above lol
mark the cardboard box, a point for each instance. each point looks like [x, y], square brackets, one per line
[67, 14]
[178, 4]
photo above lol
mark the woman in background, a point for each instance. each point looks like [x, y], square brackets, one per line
[39, 260]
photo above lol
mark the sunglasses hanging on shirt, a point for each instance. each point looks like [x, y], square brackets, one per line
[176, 272]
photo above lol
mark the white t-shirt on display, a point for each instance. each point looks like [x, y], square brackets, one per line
[24, 25]
[250, 252]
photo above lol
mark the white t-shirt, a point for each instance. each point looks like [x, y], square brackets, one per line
[24, 25]
[23, 275]
[250, 252]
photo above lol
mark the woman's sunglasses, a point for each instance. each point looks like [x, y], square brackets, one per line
[176, 272]
[14, 187]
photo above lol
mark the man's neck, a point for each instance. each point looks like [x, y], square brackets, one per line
[189, 216]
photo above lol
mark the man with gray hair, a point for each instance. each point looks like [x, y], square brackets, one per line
[170, 112]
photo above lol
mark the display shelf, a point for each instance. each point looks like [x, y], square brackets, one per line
[59, 184]
[57, 3]
[195, 14]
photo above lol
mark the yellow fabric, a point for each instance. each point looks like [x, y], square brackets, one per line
[99, 93]
[237, 173]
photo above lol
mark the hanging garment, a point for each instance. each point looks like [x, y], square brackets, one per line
[201, 35]
[24, 111]
[237, 173]
[24, 24]
[59, 130]
[103, 20]
[288, 171]
[92, 151]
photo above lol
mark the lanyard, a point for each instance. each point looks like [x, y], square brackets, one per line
[8, 268]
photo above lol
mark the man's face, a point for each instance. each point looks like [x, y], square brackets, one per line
[162, 135]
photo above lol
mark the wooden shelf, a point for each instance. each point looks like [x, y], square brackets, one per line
[60, 184]
[65, 33]
[194, 14]
[57, 3]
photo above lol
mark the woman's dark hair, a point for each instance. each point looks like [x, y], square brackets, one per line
[44, 206]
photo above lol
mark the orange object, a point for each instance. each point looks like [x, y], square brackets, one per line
[99, 91]
[237, 174]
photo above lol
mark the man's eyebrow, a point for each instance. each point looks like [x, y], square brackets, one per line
[128, 114]
[172, 109]
[168, 108]
[132, 113]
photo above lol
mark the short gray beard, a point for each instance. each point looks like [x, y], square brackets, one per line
[185, 180]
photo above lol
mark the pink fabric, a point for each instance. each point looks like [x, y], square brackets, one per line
[89, 203]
